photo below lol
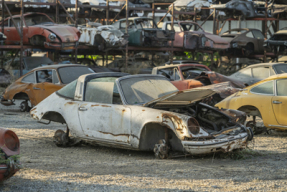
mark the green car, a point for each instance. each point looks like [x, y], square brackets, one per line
[143, 31]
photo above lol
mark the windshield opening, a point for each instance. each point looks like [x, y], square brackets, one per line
[282, 68]
[69, 74]
[140, 90]
[191, 72]
[145, 23]
[190, 27]
[37, 20]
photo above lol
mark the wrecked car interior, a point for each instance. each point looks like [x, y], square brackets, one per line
[143, 95]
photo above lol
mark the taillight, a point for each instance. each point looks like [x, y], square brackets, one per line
[193, 126]
[11, 141]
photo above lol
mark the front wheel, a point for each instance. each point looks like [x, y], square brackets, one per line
[24, 107]
[161, 149]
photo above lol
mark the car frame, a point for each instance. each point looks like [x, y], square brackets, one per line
[47, 34]
[33, 88]
[140, 123]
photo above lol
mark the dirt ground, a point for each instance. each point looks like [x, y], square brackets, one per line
[95, 168]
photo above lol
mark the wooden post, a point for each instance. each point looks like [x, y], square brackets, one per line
[107, 12]
[214, 21]
[127, 23]
[172, 20]
[76, 25]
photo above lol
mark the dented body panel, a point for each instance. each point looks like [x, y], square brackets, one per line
[139, 126]
[102, 36]
[190, 35]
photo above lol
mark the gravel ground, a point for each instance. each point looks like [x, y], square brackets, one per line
[94, 168]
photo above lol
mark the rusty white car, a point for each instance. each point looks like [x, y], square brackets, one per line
[101, 36]
[141, 112]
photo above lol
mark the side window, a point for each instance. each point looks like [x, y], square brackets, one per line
[123, 24]
[261, 72]
[17, 22]
[249, 34]
[29, 78]
[55, 77]
[44, 76]
[102, 90]
[258, 34]
[281, 87]
[117, 25]
[69, 90]
[171, 73]
[244, 73]
[265, 88]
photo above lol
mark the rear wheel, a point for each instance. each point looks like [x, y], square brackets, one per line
[24, 106]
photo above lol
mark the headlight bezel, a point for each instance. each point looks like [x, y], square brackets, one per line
[52, 37]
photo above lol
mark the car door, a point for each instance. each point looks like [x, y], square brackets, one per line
[260, 41]
[11, 32]
[178, 36]
[134, 33]
[279, 102]
[47, 83]
[101, 113]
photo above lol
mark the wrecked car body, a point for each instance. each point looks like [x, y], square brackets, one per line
[5, 77]
[101, 36]
[134, 112]
[9, 155]
[277, 8]
[245, 8]
[40, 30]
[278, 42]
[244, 41]
[190, 35]
[40, 83]
[143, 31]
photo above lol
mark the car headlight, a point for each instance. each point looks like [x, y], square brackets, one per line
[193, 126]
[234, 45]
[52, 37]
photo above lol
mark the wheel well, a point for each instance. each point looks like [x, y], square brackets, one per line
[251, 45]
[54, 116]
[250, 110]
[21, 96]
[37, 40]
[153, 132]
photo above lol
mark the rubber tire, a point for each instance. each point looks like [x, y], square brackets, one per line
[24, 106]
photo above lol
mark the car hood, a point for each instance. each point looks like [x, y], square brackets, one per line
[186, 97]
[64, 32]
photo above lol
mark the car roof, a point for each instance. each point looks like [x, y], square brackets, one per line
[179, 65]
[263, 64]
[56, 66]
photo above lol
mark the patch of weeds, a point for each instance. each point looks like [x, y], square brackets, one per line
[243, 154]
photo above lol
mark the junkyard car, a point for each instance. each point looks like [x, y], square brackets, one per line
[190, 35]
[266, 99]
[40, 30]
[278, 42]
[246, 8]
[135, 112]
[5, 77]
[40, 83]
[244, 41]
[101, 36]
[28, 63]
[254, 73]
[188, 76]
[143, 31]
[9, 155]
[277, 8]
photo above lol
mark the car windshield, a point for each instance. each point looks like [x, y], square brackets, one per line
[282, 68]
[69, 74]
[140, 90]
[190, 27]
[145, 24]
[37, 20]
[191, 72]
[234, 32]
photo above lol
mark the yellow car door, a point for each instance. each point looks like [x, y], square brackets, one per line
[279, 102]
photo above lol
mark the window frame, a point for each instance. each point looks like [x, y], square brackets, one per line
[261, 67]
[36, 75]
[276, 87]
[274, 90]
[35, 80]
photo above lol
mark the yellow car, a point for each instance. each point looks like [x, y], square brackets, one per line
[266, 99]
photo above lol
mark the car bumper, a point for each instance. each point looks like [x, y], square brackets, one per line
[9, 169]
[6, 102]
[216, 145]
[61, 46]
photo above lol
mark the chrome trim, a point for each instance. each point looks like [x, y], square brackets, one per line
[277, 126]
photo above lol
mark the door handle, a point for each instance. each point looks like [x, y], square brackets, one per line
[8, 30]
[277, 102]
[36, 88]
[82, 109]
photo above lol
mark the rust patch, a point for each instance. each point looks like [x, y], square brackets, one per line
[69, 103]
[33, 109]
[157, 117]
[105, 106]
[143, 110]
[94, 105]
[123, 110]
[116, 135]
